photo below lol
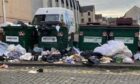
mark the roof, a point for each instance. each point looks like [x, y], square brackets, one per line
[134, 9]
[87, 8]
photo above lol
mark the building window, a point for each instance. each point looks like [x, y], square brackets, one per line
[71, 3]
[67, 3]
[74, 5]
[82, 20]
[62, 1]
[57, 4]
[88, 13]
[50, 3]
[89, 19]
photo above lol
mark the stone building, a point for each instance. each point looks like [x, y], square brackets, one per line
[87, 14]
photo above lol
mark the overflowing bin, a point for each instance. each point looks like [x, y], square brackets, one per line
[92, 36]
[50, 37]
[128, 34]
[26, 36]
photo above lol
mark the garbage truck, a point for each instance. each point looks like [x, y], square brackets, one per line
[56, 27]
[55, 16]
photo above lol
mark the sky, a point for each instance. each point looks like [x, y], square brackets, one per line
[111, 8]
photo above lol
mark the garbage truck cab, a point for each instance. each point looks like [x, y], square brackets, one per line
[55, 16]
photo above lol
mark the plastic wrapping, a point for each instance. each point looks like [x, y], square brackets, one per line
[26, 57]
[113, 47]
[3, 48]
[137, 56]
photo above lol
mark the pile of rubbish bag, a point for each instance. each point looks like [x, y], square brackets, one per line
[112, 51]
[16, 53]
[68, 56]
[13, 53]
[17, 23]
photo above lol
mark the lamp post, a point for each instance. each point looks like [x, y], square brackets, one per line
[4, 11]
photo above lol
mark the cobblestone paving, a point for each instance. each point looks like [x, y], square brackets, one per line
[61, 75]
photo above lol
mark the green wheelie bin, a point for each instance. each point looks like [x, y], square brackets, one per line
[129, 34]
[51, 38]
[26, 36]
[92, 36]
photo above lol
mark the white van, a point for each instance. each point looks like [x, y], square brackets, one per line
[55, 16]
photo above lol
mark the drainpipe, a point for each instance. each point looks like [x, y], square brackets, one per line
[4, 11]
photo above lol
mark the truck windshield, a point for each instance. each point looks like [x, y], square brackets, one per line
[48, 17]
[52, 17]
[38, 18]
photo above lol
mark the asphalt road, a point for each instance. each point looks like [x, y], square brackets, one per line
[68, 75]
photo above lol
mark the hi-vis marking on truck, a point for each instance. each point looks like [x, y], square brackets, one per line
[92, 39]
[126, 40]
[12, 38]
[49, 39]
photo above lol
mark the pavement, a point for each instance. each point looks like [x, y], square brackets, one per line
[136, 65]
[68, 75]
